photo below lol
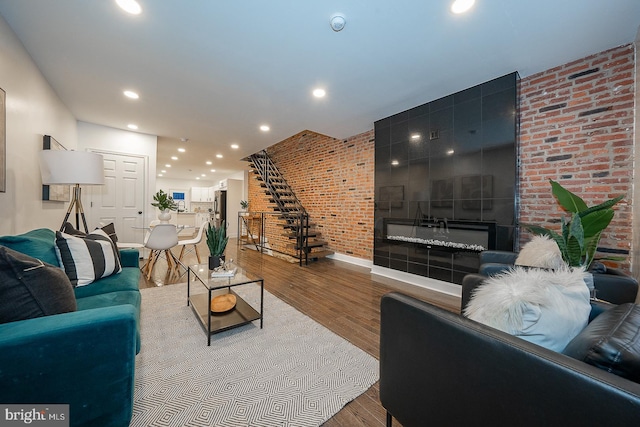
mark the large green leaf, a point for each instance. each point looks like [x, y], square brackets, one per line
[564, 227]
[602, 206]
[574, 252]
[576, 230]
[596, 221]
[566, 198]
[591, 245]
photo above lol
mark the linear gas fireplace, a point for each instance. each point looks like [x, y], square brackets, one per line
[443, 234]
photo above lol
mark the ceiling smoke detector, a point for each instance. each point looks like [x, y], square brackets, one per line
[337, 22]
[184, 139]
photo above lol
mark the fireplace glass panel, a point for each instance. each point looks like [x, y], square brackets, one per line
[446, 181]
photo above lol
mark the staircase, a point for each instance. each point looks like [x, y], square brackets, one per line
[306, 241]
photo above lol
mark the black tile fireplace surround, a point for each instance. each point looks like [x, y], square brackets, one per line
[446, 181]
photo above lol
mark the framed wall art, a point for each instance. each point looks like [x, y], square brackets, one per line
[54, 193]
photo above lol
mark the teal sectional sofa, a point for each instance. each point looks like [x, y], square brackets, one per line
[84, 358]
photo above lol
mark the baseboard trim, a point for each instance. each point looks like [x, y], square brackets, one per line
[420, 281]
[411, 279]
[351, 260]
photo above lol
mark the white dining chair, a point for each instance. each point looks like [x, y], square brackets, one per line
[161, 239]
[193, 241]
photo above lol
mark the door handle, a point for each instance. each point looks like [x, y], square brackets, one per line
[139, 212]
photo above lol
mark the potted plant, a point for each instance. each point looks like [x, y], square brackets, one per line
[216, 242]
[579, 236]
[244, 205]
[165, 203]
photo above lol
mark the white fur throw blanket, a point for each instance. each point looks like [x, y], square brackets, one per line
[541, 251]
[545, 307]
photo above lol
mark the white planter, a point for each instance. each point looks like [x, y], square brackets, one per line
[164, 216]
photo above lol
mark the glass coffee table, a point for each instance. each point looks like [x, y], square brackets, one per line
[241, 314]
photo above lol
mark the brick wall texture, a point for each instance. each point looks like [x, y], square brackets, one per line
[333, 179]
[576, 127]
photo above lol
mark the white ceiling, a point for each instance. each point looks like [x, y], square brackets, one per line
[213, 71]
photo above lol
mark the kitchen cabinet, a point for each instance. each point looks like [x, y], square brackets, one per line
[201, 194]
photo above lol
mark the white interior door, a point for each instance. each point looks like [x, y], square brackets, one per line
[121, 199]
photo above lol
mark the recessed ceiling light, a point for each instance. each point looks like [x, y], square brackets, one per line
[264, 128]
[159, 174]
[235, 146]
[450, 152]
[131, 94]
[197, 177]
[130, 6]
[167, 165]
[182, 150]
[415, 136]
[203, 175]
[213, 170]
[219, 156]
[208, 162]
[163, 171]
[395, 162]
[319, 93]
[174, 157]
[461, 6]
[132, 126]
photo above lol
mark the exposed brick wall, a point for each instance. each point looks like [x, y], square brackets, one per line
[577, 128]
[334, 181]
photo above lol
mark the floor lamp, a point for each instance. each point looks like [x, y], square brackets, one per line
[62, 167]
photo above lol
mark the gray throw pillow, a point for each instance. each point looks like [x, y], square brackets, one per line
[30, 288]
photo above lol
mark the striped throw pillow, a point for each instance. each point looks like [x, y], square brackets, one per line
[88, 258]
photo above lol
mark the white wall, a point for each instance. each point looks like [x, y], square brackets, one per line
[33, 110]
[103, 138]
[167, 185]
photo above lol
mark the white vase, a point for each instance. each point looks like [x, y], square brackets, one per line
[164, 216]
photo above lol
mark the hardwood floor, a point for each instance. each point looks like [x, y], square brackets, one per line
[342, 297]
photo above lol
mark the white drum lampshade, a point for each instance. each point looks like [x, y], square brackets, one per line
[71, 167]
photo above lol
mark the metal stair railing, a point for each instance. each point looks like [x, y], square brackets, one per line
[267, 169]
[243, 221]
[292, 211]
[301, 222]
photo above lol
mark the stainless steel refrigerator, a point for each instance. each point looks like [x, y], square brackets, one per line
[220, 207]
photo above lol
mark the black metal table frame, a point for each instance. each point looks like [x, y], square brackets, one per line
[254, 315]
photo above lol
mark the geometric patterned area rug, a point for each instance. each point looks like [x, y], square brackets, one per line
[293, 372]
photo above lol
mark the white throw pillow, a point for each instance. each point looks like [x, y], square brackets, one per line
[541, 251]
[548, 308]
